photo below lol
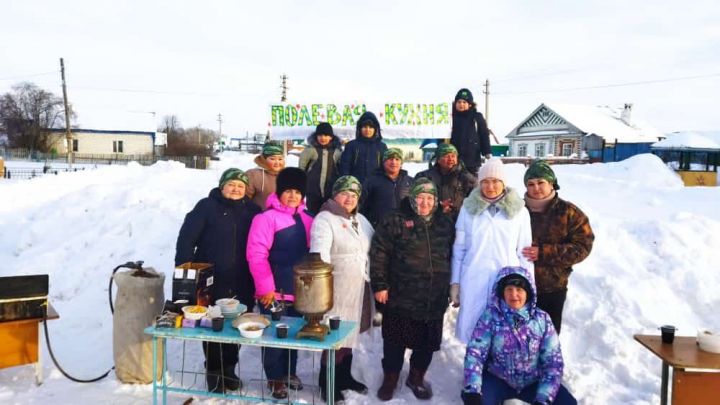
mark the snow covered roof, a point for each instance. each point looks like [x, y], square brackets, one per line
[113, 120]
[688, 140]
[605, 121]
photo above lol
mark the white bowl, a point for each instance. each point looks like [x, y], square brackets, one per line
[708, 341]
[251, 330]
[194, 315]
[228, 304]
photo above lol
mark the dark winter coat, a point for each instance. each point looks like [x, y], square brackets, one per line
[470, 136]
[363, 155]
[216, 232]
[320, 164]
[381, 195]
[454, 186]
[564, 238]
[410, 257]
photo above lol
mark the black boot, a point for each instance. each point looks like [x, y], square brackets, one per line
[345, 380]
[322, 382]
[214, 381]
[231, 380]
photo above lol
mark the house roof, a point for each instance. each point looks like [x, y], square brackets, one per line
[603, 121]
[114, 120]
[688, 140]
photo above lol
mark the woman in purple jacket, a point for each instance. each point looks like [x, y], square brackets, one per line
[514, 351]
[278, 239]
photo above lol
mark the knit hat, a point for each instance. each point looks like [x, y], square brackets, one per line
[291, 178]
[347, 183]
[324, 128]
[492, 168]
[464, 94]
[423, 185]
[393, 153]
[540, 169]
[233, 174]
[443, 149]
[272, 149]
[516, 280]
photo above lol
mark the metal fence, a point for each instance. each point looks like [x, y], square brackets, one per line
[192, 162]
[32, 172]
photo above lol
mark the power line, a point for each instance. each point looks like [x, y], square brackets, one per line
[605, 86]
[174, 93]
[30, 75]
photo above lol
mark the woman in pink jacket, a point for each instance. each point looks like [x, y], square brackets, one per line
[278, 239]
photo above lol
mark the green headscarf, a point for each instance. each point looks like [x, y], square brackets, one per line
[347, 183]
[233, 174]
[272, 149]
[540, 169]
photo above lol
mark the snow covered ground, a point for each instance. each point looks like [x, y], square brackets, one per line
[654, 262]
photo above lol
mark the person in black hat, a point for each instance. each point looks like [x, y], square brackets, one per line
[470, 133]
[319, 160]
[278, 240]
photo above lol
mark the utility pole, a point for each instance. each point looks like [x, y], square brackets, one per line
[487, 109]
[487, 101]
[68, 134]
[284, 87]
[219, 125]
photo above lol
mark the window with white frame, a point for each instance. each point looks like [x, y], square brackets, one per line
[539, 149]
[522, 149]
[567, 148]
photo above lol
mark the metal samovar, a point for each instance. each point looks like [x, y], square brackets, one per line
[313, 294]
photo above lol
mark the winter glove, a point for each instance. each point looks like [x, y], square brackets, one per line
[455, 294]
[471, 398]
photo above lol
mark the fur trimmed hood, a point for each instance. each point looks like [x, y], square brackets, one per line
[510, 204]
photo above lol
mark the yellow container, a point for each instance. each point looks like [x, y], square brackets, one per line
[696, 178]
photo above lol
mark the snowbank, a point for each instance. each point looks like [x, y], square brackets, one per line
[656, 249]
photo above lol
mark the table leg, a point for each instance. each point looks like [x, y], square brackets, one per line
[330, 380]
[38, 365]
[155, 370]
[164, 369]
[664, 383]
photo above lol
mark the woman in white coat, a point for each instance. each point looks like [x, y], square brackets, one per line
[342, 237]
[491, 230]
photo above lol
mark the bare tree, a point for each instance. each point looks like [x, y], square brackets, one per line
[170, 123]
[27, 113]
[196, 141]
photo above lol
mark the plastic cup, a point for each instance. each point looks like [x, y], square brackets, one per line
[668, 333]
[217, 324]
[282, 330]
[276, 313]
[334, 322]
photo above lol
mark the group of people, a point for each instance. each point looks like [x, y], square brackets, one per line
[414, 246]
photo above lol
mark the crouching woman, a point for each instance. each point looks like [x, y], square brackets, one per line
[514, 352]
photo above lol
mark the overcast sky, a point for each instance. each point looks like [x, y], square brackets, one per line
[198, 59]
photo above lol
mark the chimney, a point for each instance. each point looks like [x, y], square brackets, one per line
[626, 113]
